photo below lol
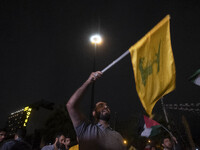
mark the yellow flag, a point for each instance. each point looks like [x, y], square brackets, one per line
[153, 65]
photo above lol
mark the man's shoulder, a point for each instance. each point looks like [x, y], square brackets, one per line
[114, 132]
[15, 144]
[21, 145]
[8, 144]
[87, 129]
[85, 124]
[48, 147]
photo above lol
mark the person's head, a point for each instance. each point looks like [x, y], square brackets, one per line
[67, 142]
[153, 148]
[60, 141]
[2, 135]
[20, 134]
[101, 111]
[167, 143]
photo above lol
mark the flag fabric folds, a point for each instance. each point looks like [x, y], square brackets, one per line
[150, 127]
[195, 78]
[153, 65]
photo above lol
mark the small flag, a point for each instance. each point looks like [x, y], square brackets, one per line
[150, 127]
[153, 65]
[195, 78]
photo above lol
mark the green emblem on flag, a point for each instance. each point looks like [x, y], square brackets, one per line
[148, 69]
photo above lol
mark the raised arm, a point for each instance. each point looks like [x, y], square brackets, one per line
[74, 102]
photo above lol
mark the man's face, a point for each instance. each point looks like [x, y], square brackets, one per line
[167, 143]
[2, 135]
[60, 142]
[103, 111]
[67, 142]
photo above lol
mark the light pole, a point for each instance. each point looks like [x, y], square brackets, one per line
[96, 40]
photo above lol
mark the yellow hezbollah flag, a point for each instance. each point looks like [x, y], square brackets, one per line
[153, 65]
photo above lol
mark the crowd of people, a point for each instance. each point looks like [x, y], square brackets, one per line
[63, 142]
[90, 136]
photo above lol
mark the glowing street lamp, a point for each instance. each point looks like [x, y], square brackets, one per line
[96, 40]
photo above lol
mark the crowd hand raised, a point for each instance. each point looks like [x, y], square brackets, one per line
[94, 76]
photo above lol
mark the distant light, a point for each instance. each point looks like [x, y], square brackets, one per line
[28, 113]
[96, 39]
[17, 111]
[26, 108]
[149, 141]
[125, 142]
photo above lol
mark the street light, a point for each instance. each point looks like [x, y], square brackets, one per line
[96, 40]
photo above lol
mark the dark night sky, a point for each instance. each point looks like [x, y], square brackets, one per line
[46, 53]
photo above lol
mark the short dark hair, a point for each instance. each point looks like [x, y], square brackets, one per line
[67, 136]
[166, 137]
[59, 134]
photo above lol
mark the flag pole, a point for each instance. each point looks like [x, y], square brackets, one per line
[167, 130]
[165, 113]
[115, 61]
[164, 110]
